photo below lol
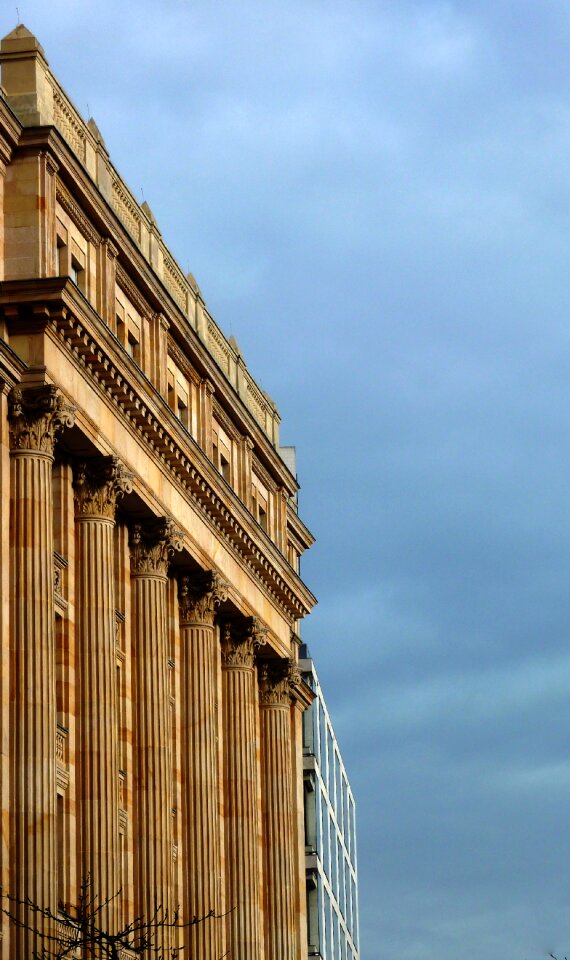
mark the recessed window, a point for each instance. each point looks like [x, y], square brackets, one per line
[77, 274]
[225, 467]
[222, 451]
[133, 346]
[60, 258]
[182, 411]
[260, 503]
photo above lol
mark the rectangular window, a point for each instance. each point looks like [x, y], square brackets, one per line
[179, 393]
[260, 502]
[132, 329]
[77, 274]
[222, 451]
[133, 346]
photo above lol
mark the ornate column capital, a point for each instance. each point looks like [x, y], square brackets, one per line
[97, 485]
[241, 639]
[36, 415]
[277, 682]
[152, 544]
[200, 595]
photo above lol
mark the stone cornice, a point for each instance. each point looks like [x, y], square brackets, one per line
[76, 214]
[99, 208]
[152, 544]
[263, 475]
[224, 421]
[182, 361]
[241, 640]
[36, 415]
[128, 288]
[97, 485]
[200, 596]
[90, 344]
[301, 533]
[278, 680]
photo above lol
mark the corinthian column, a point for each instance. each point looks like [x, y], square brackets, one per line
[151, 545]
[36, 415]
[199, 598]
[97, 485]
[242, 819]
[276, 680]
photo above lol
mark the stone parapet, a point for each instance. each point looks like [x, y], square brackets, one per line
[37, 99]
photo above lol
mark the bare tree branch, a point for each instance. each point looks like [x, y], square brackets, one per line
[78, 928]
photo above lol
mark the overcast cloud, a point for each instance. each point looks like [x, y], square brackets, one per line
[375, 200]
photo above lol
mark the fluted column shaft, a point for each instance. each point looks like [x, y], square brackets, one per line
[152, 793]
[35, 415]
[277, 804]
[243, 895]
[199, 596]
[97, 485]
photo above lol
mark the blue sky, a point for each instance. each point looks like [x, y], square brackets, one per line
[375, 200]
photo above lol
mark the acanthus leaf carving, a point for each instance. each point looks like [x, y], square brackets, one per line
[152, 544]
[36, 415]
[200, 596]
[241, 640]
[98, 484]
[277, 682]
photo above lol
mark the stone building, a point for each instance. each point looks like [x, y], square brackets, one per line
[151, 704]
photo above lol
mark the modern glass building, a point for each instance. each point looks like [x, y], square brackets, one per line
[330, 833]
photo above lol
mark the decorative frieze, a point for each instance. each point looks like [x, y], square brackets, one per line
[98, 484]
[36, 415]
[152, 544]
[200, 596]
[90, 354]
[241, 639]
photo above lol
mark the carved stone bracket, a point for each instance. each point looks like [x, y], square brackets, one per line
[200, 596]
[241, 639]
[97, 485]
[36, 415]
[277, 682]
[152, 544]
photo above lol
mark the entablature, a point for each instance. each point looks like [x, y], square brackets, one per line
[139, 278]
[54, 307]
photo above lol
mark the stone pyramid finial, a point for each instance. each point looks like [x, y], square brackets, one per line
[148, 211]
[192, 281]
[21, 40]
[97, 133]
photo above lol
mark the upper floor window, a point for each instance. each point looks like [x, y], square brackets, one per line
[130, 328]
[222, 453]
[260, 502]
[178, 393]
[72, 255]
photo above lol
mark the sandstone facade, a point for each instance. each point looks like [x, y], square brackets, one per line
[151, 706]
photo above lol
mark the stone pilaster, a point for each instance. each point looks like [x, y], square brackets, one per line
[36, 415]
[276, 681]
[152, 544]
[97, 486]
[242, 827]
[199, 597]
